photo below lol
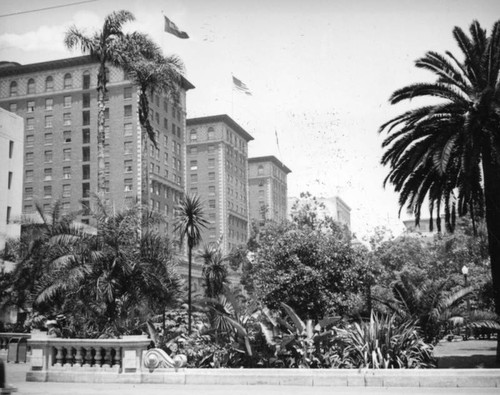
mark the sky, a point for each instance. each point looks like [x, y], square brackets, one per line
[320, 72]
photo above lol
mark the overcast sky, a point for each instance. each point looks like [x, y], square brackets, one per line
[320, 73]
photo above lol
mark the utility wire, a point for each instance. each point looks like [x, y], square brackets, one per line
[47, 8]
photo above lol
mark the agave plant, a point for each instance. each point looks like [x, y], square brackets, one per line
[382, 343]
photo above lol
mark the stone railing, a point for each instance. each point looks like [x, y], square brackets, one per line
[106, 360]
[6, 336]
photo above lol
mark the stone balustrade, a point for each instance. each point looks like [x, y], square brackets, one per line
[6, 336]
[107, 360]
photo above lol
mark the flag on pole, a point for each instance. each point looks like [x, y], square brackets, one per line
[241, 86]
[171, 27]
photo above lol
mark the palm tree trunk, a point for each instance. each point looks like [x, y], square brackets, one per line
[101, 86]
[491, 172]
[189, 288]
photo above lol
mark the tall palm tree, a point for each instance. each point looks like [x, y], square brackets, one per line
[101, 46]
[449, 152]
[214, 269]
[189, 223]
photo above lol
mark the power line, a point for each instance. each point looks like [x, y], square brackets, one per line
[48, 8]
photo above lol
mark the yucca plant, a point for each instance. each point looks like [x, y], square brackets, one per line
[383, 344]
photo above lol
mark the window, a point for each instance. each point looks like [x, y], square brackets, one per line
[106, 113]
[48, 138]
[193, 165]
[67, 102]
[49, 104]
[211, 163]
[85, 100]
[29, 158]
[157, 118]
[86, 154]
[28, 176]
[211, 203]
[127, 129]
[211, 133]
[66, 191]
[13, 107]
[86, 172]
[48, 156]
[165, 140]
[9, 180]
[128, 166]
[68, 81]
[30, 107]
[86, 80]
[67, 119]
[28, 208]
[47, 174]
[211, 148]
[28, 193]
[128, 185]
[47, 191]
[67, 136]
[127, 110]
[260, 170]
[8, 214]
[49, 84]
[67, 173]
[13, 89]
[194, 177]
[127, 147]
[152, 167]
[211, 176]
[11, 149]
[165, 123]
[65, 207]
[127, 92]
[67, 154]
[165, 158]
[85, 118]
[85, 189]
[192, 150]
[193, 136]
[211, 190]
[86, 136]
[48, 121]
[31, 86]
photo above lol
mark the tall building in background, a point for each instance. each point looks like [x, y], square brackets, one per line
[11, 176]
[58, 102]
[216, 170]
[333, 207]
[267, 185]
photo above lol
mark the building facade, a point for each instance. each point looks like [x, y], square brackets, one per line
[267, 186]
[216, 170]
[11, 176]
[334, 207]
[58, 102]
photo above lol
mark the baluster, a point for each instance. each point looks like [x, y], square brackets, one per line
[68, 356]
[87, 357]
[118, 357]
[78, 356]
[98, 356]
[59, 356]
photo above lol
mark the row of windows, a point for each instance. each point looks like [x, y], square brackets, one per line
[176, 113]
[49, 84]
[48, 193]
[194, 150]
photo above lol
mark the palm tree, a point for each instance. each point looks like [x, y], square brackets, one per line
[449, 152]
[102, 47]
[214, 269]
[189, 224]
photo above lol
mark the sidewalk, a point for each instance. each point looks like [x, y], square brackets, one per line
[467, 354]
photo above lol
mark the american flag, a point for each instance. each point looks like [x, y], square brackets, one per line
[241, 86]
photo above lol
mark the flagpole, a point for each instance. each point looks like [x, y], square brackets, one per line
[232, 97]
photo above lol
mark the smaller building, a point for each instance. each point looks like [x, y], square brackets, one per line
[267, 188]
[333, 207]
[11, 174]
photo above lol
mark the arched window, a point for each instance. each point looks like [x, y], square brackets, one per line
[49, 84]
[86, 80]
[13, 88]
[68, 81]
[31, 86]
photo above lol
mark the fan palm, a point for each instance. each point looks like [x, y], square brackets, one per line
[214, 270]
[189, 223]
[449, 152]
[101, 46]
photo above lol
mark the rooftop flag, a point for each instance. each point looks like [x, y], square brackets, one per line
[171, 27]
[241, 86]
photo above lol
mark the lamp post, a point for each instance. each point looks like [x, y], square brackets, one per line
[465, 272]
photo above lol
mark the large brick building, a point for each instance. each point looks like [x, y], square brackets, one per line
[267, 185]
[58, 102]
[216, 166]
